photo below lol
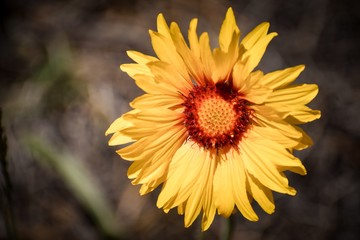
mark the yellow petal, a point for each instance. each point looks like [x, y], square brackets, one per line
[290, 103]
[239, 76]
[148, 146]
[206, 56]
[181, 208]
[226, 56]
[303, 115]
[252, 56]
[119, 138]
[239, 182]
[154, 117]
[192, 62]
[267, 117]
[261, 194]
[223, 187]
[294, 95]
[151, 186]
[157, 165]
[193, 206]
[153, 171]
[254, 36]
[228, 31]
[196, 200]
[258, 94]
[250, 81]
[147, 101]
[133, 69]
[256, 163]
[140, 57]
[162, 26]
[166, 51]
[151, 120]
[193, 38]
[146, 124]
[305, 140]
[148, 84]
[120, 124]
[116, 127]
[274, 153]
[224, 61]
[208, 199]
[195, 169]
[282, 78]
[275, 135]
[140, 67]
[185, 165]
[135, 168]
[295, 114]
[165, 73]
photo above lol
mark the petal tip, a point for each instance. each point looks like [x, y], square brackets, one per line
[291, 191]
[264, 25]
[121, 67]
[160, 17]
[230, 12]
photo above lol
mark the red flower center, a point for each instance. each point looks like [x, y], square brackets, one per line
[216, 116]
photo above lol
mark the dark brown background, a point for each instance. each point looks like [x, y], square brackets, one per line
[60, 82]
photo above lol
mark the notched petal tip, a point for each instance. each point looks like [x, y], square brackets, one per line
[318, 114]
[270, 210]
[291, 191]
[263, 27]
[257, 33]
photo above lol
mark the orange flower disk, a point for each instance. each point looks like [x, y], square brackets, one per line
[216, 116]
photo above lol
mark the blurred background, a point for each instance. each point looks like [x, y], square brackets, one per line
[61, 87]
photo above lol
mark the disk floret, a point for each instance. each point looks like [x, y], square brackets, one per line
[216, 116]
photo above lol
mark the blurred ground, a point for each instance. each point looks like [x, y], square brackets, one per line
[60, 82]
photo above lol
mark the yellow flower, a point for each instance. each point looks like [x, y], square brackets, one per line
[215, 133]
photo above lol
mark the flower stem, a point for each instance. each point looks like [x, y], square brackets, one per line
[227, 228]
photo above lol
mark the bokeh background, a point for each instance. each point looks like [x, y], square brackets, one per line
[61, 87]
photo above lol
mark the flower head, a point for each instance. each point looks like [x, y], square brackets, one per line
[216, 133]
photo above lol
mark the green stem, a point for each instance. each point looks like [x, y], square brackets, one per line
[227, 228]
